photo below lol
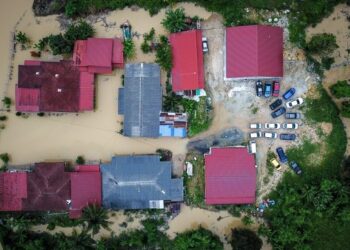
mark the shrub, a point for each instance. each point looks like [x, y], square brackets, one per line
[79, 31]
[41, 114]
[246, 220]
[322, 44]
[3, 118]
[340, 89]
[35, 53]
[5, 157]
[327, 62]
[245, 239]
[165, 155]
[18, 113]
[164, 55]
[42, 44]
[7, 102]
[175, 20]
[80, 160]
[59, 45]
[23, 39]
[129, 49]
[345, 109]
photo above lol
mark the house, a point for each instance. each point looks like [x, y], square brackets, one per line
[86, 188]
[230, 176]
[254, 51]
[187, 74]
[140, 100]
[173, 124]
[139, 182]
[98, 55]
[53, 87]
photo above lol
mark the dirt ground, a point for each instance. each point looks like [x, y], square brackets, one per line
[235, 100]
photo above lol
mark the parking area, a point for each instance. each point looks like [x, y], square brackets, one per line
[238, 105]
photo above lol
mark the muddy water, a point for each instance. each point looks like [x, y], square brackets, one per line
[92, 134]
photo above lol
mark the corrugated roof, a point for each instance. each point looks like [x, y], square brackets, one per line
[27, 100]
[13, 188]
[254, 51]
[131, 182]
[86, 97]
[142, 100]
[230, 176]
[86, 189]
[188, 70]
[118, 56]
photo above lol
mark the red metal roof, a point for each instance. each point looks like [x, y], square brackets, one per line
[86, 97]
[254, 51]
[27, 100]
[48, 188]
[86, 189]
[13, 188]
[230, 176]
[118, 57]
[187, 72]
[87, 168]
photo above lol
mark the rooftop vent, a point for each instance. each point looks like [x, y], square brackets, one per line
[59, 90]
[37, 73]
[57, 75]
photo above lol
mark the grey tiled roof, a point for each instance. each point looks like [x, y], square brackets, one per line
[131, 182]
[141, 100]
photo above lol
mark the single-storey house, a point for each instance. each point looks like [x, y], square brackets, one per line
[173, 124]
[53, 87]
[187, 74]
[139, 182]
[254, 51]
[140, 100]
[230, 176]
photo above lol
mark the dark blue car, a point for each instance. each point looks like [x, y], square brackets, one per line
[276, 104]
[268, 89]
[293, 165]
[281, 155]
[288, 137]
[278, 112]
[289, 93]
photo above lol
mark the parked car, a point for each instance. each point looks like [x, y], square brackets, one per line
[272, 125]
[283, 157]
[276, 104]
[205, 44]
[270, 135]
[259, 88]
[275, 163]
[295, 102]
[290, 125]
[276, 89]
[293, 165]
[252, 147]
[256, 134]
[288, 137]
[278, 112]
[293, 115]
[267, 89]
[255, 125]
[289, 93]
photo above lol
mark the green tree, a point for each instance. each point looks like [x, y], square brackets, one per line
[77, 241]
[164, 55]
[6, 101]
[80, 160]
[23, 39]
[95, 217]
[42, 44]
[322, 44]
[340, 89]
[5, 157]
[345, 109]
[79, 31]
[129, 49]
[59, 45]
[3, 117]
[327, 62]
[175, 20]
[197, 239]
[245, 239]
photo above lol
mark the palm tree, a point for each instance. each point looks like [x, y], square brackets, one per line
[95, 217]
[175, 20]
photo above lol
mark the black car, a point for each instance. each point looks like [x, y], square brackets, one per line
[293, 115]
[288, 137]
[283, 157]
[276, 104]
[259, 88]
[278, 112]
[293, 165]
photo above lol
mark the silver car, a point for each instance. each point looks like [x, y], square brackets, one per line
[290, 126]
[255, 125]
[256, 134]
[270, 135]
[272, 125]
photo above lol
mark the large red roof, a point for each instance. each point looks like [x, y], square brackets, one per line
[86, 189]
[48, 188]
[13, 188]
[53, 87]
[230, 176]
[254, 51]
[187, 72]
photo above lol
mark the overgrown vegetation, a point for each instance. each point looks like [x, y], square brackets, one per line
[340, 89]
[194, 185]
[164, 55]
[199, 115]
[149, 44]
[312, 210]
[129, 49]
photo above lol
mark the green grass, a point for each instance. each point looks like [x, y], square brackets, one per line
[194, 185]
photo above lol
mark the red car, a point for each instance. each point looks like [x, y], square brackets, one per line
[276, 89]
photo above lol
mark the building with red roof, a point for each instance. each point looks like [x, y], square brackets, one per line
[13, 189]
[98, 55]
[254, 51]
[86, 188]
[53, 87]
[230, 176]
[188, 71]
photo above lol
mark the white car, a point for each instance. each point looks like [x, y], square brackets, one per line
[272, 125]
[255, 125]
[290, 125]
[256, 134]
[295, 102]
[270, 135]
[205, 44]
[252, 147]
